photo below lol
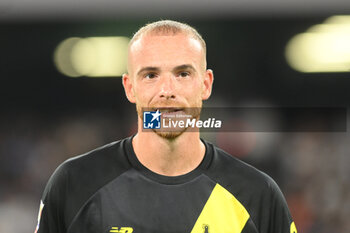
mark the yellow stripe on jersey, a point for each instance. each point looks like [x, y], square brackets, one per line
[222, 213]
[293, 228]
[122, 230]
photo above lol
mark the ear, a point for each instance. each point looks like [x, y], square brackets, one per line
[207, 84]
[128, 88]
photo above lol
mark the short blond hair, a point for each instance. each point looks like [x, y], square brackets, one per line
[168, 27]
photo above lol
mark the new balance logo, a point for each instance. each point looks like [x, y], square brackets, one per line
[121, 229]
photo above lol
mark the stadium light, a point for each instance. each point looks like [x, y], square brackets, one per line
[92, 56]
[322, 48]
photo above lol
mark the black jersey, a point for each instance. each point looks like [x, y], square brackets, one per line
[109, 190]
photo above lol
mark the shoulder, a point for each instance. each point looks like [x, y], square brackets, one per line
[255, 190]
[110, 156]
[107, 160]
[227, 170]
[252, 187]
[80, 177]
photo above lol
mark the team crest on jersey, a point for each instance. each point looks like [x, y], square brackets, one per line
[121, 229]
[206, 228]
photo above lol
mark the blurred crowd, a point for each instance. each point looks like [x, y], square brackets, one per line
[312, 169]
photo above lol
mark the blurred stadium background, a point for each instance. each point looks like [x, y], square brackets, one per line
[55, 106]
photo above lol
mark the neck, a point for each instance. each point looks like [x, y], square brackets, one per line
[168, 157]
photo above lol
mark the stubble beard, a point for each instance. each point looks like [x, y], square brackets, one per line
[172, 135]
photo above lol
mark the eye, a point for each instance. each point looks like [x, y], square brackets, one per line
[150, 75]
[184, 74]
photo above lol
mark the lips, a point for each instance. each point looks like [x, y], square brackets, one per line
[178, 113]
[170, 110]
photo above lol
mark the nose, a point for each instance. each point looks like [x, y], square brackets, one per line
[167, 87]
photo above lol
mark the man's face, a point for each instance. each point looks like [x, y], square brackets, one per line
[167, 72]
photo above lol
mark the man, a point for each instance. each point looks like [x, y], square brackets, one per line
[159, 181]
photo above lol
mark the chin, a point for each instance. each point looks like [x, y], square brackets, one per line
[169, 135]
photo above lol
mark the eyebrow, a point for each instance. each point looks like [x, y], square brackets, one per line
[155, 69]
[184, 67]
[148, 68]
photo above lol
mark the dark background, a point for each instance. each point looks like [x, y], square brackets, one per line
[47, 117]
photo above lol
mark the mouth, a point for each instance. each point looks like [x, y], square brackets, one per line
[170, 110]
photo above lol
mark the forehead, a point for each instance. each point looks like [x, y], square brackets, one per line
[165, 50]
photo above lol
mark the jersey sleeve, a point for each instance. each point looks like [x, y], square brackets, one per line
[51, 217]
[256, 191]
[276, 217]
